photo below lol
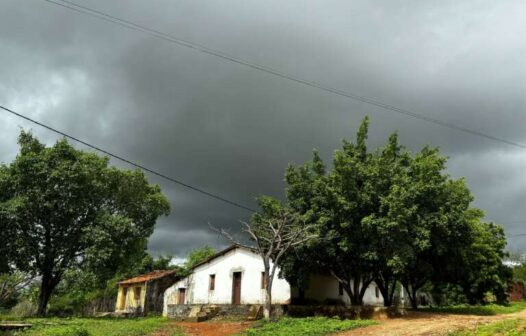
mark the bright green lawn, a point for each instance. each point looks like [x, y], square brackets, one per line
[309, 326]
[96, 327]
[480, 310]
[513, 327]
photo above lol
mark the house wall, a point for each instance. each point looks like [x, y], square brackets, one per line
[322, 288]
[155, 293]
[130, 303]
[238, 260]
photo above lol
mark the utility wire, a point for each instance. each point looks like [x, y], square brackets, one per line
[121, 158]
[213, 52]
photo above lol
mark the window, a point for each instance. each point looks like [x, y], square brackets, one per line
[263, 281]
[137, 293]
[340, 288]
[377, 292]
[212, 282]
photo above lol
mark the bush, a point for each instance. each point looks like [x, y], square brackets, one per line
[24, 308]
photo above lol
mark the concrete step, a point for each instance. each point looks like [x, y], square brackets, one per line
[255, 313]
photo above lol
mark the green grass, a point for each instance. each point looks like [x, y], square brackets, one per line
[514, 327]
[309, 326]
[491, 309]
[96, 327]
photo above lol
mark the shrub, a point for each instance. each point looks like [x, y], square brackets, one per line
[24, 308]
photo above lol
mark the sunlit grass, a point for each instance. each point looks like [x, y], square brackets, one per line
[310, 326]
[96, 327]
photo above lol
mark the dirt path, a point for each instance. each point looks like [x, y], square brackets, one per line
[213, 328]
[419, 324]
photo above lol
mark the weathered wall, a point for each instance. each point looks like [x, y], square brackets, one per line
[155, 293]
[238, 260]
[175, 311]
[130, 303]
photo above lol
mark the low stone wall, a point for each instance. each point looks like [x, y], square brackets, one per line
[176, 311]
[367, 312]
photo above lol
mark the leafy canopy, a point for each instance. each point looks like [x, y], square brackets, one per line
[67, 208]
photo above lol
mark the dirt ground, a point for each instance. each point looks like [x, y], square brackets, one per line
[213, 328]
[432, 324]
[415, 324]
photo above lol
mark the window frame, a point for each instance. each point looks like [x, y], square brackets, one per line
[211, 282]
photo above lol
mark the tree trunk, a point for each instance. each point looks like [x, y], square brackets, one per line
[387, 288]
[411, 293]
[47, 286]
[267, 308]
[269, 277]
[355, 292]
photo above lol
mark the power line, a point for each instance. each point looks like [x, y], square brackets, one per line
[213, 52]
[121, 158]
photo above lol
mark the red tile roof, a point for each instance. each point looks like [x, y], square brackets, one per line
[147, 277]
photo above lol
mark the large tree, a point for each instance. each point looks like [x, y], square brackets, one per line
[68, 208]
[389, 216]
[338, 201]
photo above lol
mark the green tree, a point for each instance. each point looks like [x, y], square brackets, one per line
[198, 255]
[390, 216]
[70, 208]
[482, 268]
[338, 201]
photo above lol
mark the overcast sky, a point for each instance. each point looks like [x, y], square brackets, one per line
[232, 130]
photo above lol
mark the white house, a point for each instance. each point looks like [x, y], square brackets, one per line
[235, 276]
[232, 276]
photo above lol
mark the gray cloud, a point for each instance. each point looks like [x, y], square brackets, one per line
[232, 130]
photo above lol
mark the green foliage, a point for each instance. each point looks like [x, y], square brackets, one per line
[309, 326]
[24, 308]
[491, 309]
[97, 327]
[68, 208]
[12, 284]
[196, 256]
[393, 216]
[82, 291]
[512, 327]
[446, 294]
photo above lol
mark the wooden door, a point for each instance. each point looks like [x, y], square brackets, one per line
[182, 293]
[122, 303]
[236, 288]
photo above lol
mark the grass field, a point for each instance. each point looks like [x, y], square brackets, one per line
[479, 310]
[95, 327]
[310, 326]
[513, 327]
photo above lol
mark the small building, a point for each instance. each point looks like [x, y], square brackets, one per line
[234, 277]
[144, 293]
[516, 291]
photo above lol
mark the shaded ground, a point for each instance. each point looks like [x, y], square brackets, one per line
[219, 328]
[433, 324]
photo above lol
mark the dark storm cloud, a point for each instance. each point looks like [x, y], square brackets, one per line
[232, 130]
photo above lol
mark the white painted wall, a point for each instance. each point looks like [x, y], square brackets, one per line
[241, 260]
[323, 287]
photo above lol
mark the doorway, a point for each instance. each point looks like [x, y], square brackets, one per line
[236, 288]
[182, 293]
[122, 303]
